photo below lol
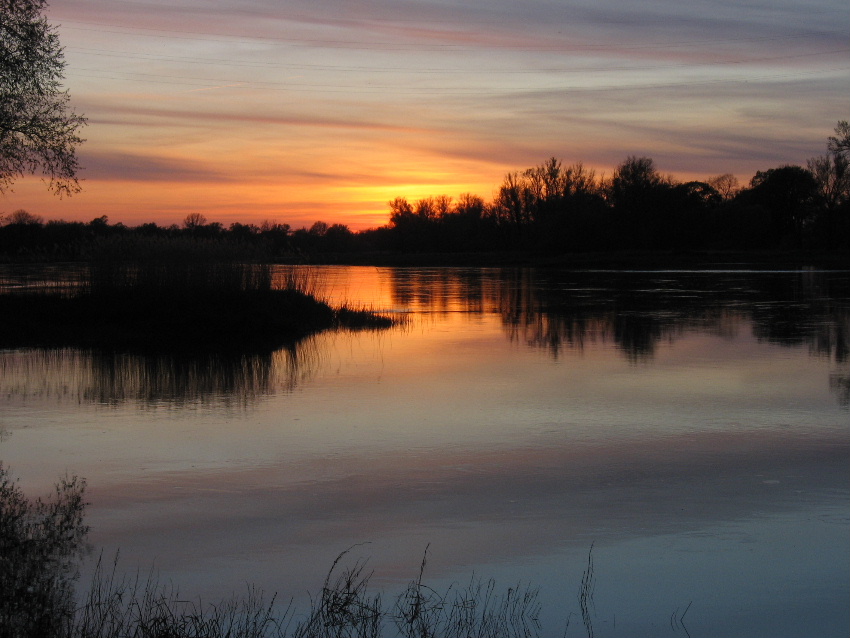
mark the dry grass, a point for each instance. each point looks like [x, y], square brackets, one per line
[120, 607]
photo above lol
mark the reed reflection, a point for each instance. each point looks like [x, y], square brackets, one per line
[150, 380]
[840, 384]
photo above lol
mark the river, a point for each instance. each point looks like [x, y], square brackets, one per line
[692, 427]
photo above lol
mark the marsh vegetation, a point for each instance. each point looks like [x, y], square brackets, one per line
[174, 294]
[42, 540]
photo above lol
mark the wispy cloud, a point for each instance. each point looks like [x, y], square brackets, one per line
[127, 167]
[271, 99]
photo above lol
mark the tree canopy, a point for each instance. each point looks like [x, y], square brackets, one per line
[39, 130]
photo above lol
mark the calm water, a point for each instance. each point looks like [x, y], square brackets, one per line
[693, 426]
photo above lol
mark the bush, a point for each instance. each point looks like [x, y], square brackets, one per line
[39, 544]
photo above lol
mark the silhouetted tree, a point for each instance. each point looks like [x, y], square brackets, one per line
[23, 218]
[699, 194]
[243, 232]
[582, 210]
[726, 185]
[633, 183]
[637, 194]
[832, 176]
[545, 205]
[467, 226]
[400, 209]
[319, 238]
[318, 229]
[38, 128]
[150, 228]
[470, 206]
[193, 221]
[441, 206]
[338, 238]
[412, 224]
[99, 227]
[839, 144]
[509, 207]
[275, 236]
[788, 193]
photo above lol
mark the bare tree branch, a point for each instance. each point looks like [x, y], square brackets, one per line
[39, 131]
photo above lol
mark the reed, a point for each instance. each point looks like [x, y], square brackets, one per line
[345, 608]
[585, 594]
[122, 607]
[478, 609]
[42, 540]
[174, 267]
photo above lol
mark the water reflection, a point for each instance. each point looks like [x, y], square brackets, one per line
[154, 379]
[840, 384]
[559, 311]
[637, 311]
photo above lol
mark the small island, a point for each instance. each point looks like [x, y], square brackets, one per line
[177, 296]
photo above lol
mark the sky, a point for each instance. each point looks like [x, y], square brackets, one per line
[306, 110]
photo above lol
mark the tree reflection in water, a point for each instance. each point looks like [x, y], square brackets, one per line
[555, 310]
[840, 384]
[636, 311]
[156, 379]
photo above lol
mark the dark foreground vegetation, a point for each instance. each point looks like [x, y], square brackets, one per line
[42, 541]
[547, 210]
[172, 294]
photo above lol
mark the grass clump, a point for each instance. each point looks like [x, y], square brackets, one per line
[143, 608]
[345, 608]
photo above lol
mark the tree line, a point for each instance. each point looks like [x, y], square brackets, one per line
[27, 237]
[557, 208]
[550, 208]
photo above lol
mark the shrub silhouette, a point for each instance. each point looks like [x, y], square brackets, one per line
[40, 542]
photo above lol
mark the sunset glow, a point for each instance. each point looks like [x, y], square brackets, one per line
[306, 111]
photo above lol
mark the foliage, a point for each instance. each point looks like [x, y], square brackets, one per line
[39, 544]
[38, 128]
[788, 193]
[839, 144]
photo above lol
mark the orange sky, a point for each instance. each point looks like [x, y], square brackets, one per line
[248, 111]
